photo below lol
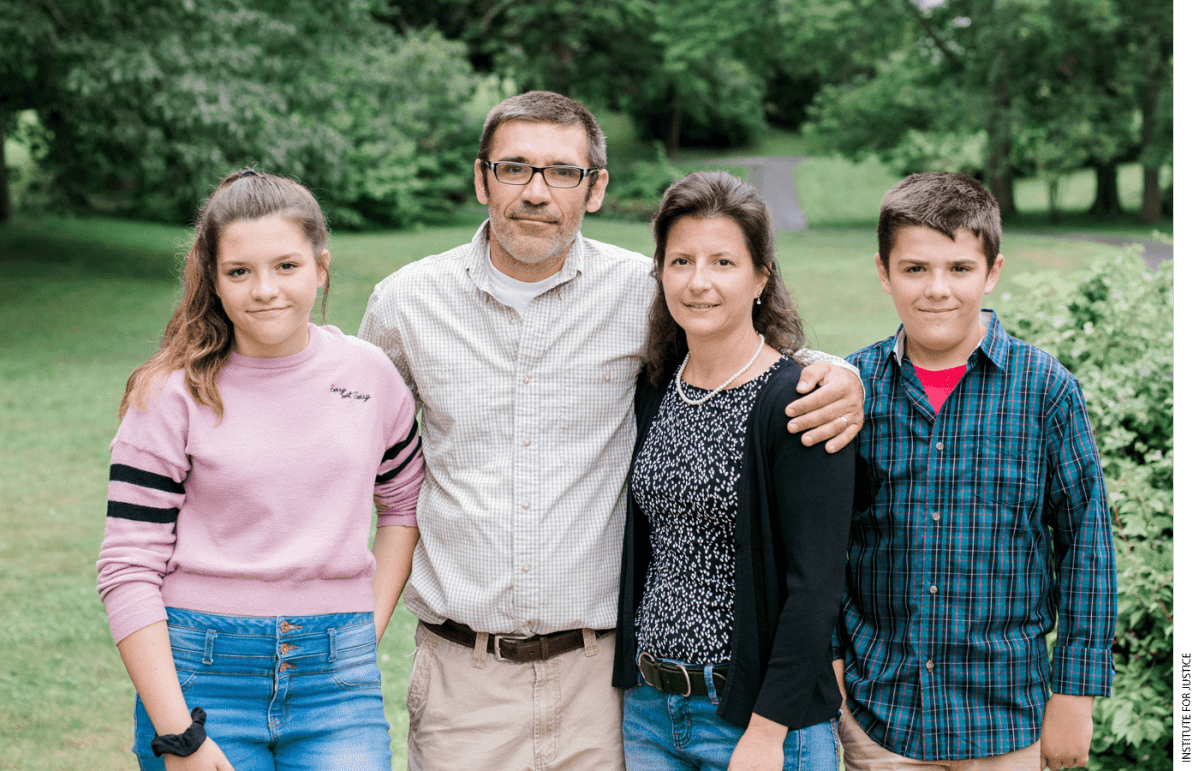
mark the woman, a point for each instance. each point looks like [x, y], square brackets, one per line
[735, 541]
[235, 568]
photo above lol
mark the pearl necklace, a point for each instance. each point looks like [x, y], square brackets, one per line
[678, 379]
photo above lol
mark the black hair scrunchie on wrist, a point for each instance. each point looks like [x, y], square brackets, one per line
[183, 744]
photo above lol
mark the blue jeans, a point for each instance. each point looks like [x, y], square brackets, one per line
[666, 731]
[286, 692]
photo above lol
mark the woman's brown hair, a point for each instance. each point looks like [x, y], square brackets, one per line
[719, 194]
[199, 336]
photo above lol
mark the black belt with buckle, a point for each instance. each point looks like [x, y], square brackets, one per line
[682, 679]
[520, 649]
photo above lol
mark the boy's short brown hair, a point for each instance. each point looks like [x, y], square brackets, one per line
[944, 202]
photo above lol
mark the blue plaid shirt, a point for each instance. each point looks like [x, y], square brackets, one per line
[974, 530]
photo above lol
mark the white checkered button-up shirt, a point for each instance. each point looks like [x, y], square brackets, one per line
[527, 431]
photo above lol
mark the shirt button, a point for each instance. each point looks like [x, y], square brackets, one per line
[936, 516]
[607, 376]
[932, 590]
[526, 379]
[929, 665]
[526, 442]
[285, 666]
[940, 445]
[511, 319]
[524, 504]
[525, 568]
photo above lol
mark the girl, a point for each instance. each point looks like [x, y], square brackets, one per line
[235, 568]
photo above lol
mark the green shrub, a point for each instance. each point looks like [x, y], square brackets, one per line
[634, 189]
[1112, 326]
[410, 142]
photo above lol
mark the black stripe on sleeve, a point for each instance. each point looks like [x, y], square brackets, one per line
[399, 446]
[142, 513]
[390, 475]
[136, 476]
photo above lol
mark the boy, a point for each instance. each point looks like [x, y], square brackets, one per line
[982, 518]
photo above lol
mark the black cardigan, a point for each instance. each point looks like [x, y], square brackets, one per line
[792, 530]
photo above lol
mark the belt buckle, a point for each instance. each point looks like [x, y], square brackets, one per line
[662, 665]
[498, 638]
[643, 655]
[686, 676]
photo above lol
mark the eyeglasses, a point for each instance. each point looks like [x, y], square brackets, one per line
[512, 173]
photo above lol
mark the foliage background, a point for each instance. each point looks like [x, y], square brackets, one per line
[142, 105]
[1112, 326]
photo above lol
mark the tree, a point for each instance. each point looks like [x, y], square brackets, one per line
[1146, 39]
[823, 42]
[1038, 79]
[688, 73]
[149, 102]
[930, 77]
[26, 35]
[593, 50]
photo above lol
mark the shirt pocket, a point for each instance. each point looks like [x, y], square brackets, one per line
[594, 401]
[463, 404]
[1005, 473]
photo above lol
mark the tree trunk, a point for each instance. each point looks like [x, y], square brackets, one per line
[1107, 194]
[1004, 189]
[676, 128]
[999, 140]
[5, 197]
[558, 76]
[1054, 186]
[1151, 196]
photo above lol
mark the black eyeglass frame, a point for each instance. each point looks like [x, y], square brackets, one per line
[540, 169]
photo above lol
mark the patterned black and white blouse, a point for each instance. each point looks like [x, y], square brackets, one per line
[685, 480]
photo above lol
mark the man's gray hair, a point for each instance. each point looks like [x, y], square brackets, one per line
[546, 107]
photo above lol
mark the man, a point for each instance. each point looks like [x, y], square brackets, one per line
[522, 349]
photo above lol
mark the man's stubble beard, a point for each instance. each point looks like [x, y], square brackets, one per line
[533, 252]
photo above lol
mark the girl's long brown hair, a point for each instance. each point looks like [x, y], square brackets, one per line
[199, 336]
[719, 194]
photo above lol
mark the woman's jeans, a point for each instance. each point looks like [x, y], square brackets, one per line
[284, 692]
[666, 731]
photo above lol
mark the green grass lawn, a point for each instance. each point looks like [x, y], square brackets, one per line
[84, 302]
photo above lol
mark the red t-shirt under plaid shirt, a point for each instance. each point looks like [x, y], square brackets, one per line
[939, 383]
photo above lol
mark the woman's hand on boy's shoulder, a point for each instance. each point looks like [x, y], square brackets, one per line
[831, 413]
[1066, 731]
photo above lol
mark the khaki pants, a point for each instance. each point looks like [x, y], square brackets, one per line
[468, 710]
[863, 754]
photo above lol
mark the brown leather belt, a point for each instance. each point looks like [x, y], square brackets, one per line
[520, 649]
[682, 679]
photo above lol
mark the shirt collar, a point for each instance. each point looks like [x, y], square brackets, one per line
[994, 344]
[481, 253]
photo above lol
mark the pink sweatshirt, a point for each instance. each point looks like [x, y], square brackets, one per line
[268, 512]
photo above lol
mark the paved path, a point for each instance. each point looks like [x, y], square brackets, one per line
[1153, 251]
[774, 178]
